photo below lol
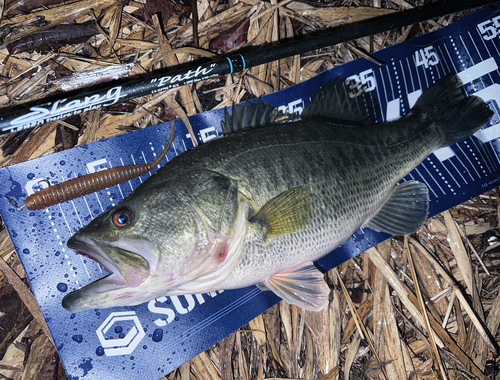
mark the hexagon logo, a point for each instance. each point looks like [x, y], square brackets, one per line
[127, 343]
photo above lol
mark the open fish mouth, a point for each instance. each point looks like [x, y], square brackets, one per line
[92, 251]
[128, 270]
[125, 266]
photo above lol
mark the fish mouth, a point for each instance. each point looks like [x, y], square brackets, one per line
[128, 270]
[87, 248]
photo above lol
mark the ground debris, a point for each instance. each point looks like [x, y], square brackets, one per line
[456, 255]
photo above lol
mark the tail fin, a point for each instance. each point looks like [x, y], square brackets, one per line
[455, 114]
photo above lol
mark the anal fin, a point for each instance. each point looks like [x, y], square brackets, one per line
[303, 286]
[404, 212]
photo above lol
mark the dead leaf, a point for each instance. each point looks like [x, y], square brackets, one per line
[165, 9]
[230, 38]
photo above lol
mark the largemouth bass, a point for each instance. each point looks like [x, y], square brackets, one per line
[259, 206]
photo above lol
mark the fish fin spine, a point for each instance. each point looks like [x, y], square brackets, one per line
[252, 115]
[338, 102]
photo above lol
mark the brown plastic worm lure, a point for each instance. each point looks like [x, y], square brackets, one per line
[90, 183]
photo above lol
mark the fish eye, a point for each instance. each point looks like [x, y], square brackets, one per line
[123, 218]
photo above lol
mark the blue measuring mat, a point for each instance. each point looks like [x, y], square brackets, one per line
[152, 339]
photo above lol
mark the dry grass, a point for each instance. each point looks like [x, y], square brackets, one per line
[423, 308]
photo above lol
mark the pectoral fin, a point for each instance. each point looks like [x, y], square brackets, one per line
[303, 286]
[405, 211]
[287, 213]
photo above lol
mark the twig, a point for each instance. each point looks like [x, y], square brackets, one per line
[359, 323]
[194, 15]
[423, 309]
[25, 294]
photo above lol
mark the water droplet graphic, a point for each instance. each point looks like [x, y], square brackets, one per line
[62, 287]
[62, 162]
[118, 329]
[157, 335]
[26, 251]
[86, 366]
[77, 338]
[99, 351]
[31, 175]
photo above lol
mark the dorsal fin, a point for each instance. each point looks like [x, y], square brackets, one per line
[344, 102]
[248, 116]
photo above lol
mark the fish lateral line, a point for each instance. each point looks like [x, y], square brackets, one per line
[288, 209]
[91, 183]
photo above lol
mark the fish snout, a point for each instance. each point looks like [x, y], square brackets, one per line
[72, 242]
[70, 302]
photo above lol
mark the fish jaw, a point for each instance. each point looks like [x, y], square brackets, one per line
[130, 275]
[103, 293]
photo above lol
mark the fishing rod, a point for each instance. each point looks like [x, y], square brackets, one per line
[35, 115]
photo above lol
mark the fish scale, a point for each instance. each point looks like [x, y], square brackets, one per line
[258, 206]
[368, 174]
